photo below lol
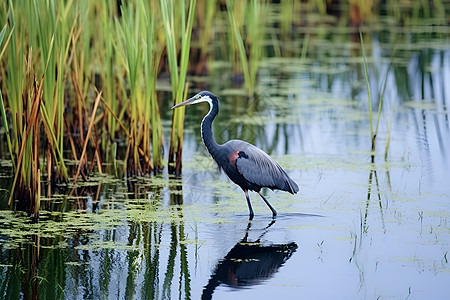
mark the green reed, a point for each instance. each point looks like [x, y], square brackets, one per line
[15, 79]
[141, 52]
[37, 50]
[53, 38]
[2, 106]
[153, 50]
[249, 54]
[239, 42]
[129, 28]
[23, 103]
[205, 14]
[82, 50]
[286, 17]
[107, 54]
[373, 132]
[175, 23]
[255, 14]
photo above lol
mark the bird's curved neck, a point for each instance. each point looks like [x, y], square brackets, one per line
[207, 134]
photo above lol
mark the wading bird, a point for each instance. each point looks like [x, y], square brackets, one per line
[245, 164]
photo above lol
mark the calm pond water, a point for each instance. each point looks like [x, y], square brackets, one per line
[356, 229]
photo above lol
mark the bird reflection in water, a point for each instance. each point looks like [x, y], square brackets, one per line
[249, 262]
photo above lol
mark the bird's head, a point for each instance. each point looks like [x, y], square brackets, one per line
[203, 96]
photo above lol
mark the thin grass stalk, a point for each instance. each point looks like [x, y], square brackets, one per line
[2, 36]
[380, 101]
[63, 43]
[128, 29]
[57, 154]
[205, 16]
[83, 153]
[24, 104]
[33, 117]
[6, 126]
[305, 47]
[388, 138]
[108, 72]
[15, 79]
[366, 75]
[255, 31]
[45, 22]
[81, 61]
[35, 171]
[286, 17]
[133, 30]
[141, 152]
[178, 78]
[151, 62]
[2, 106]
[182, 85]
[374, 133]
[238, 13]
[52, 22]
[241, 49]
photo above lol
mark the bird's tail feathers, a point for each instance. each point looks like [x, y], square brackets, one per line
[291, 186]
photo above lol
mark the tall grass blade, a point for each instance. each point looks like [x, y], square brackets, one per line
[178, 78]
[5, 124]
[83, 153]
[380, 101]
[132, 29]
[241, 49]
[374, 133]
[388, 138]
[2, 106]
[25, 154]
[368, 89]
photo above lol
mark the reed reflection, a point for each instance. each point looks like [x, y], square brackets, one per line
[249, 262]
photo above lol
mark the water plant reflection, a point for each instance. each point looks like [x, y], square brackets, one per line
[248, 263]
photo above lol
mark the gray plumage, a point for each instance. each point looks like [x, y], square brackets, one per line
[260, 169]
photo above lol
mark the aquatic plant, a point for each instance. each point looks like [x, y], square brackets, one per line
[24, 103]
[250, 52]
[135, 26]
[373, 132]
[153, 49]
[240, 47]
[2, 106]
[173, 15]
[107, 55]
[206, 11]
[53, 38]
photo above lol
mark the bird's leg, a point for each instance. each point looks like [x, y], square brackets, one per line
[274, 212]
[249, 205]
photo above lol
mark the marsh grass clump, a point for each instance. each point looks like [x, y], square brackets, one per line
[247, 18]
[177, 30]
[24, 102]
[134, 27]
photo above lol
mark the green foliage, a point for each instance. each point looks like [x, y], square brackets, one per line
[140, 51]
[174, 19]
[249, 46]
[373, 133]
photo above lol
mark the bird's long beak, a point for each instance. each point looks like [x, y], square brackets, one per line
[187, 102]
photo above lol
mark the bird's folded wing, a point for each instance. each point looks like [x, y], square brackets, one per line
[259, 168]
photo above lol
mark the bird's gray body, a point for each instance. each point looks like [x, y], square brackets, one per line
[251, 168]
